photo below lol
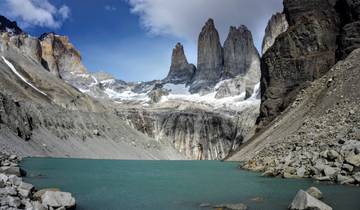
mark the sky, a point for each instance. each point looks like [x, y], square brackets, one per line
[133, 39]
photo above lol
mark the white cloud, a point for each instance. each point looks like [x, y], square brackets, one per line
[36, 13]
[110, 8]
[184, 19]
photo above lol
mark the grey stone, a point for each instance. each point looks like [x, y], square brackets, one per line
[353, 159]
[237, 206]
[315, 192]
[276, 26]
[304, 201]
[345, 179]
[330, 171]
[56, 199]
[9, 170]
[25, 189]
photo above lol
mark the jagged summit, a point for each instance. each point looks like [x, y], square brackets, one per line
[181, 71]
[9, 26]
[239, 52]
[210, 58]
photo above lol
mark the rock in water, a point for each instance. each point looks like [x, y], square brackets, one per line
[181, 71]
[276, 25]
[304, 201]
[239, 52]
[210, 59]
[299, 55]
[315, 192]
[54, 199]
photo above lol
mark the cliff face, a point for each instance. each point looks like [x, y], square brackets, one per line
[210, 58]
[62, 59]
[276, 26]
[239, 52]
[302, 54]
[181, 72]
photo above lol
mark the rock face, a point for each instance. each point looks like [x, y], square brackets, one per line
[210, 58]
[350, 34]
[239, 52]
[9, 26]
[276, 26]
[62, 59]
[318, 135]
[302, 54]
[181, 72]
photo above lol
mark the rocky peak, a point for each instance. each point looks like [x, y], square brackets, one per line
[239, 52]
[210, 58]
[180, 70]
[276, 25]
[9, 26]
[62, 59]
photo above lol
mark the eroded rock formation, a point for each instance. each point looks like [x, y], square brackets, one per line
[210, 58]
[181, 72]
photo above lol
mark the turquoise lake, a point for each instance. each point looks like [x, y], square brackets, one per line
[173, 185]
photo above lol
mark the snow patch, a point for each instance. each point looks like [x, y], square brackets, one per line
[13, 69]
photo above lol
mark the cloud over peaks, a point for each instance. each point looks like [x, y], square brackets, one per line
[184, 19]
[36, 13]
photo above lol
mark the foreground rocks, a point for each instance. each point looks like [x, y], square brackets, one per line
[304, 201]
[16, 194]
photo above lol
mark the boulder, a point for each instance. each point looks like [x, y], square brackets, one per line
[353, 160]
[237, 206]
[330, 171]
[315, 192]
[304, 201]
[10, 170]
[344, 179]
[356, 176]
[37, 195]
[56, 199]
[25, 189]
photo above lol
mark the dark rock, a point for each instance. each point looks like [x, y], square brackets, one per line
[239, 52]
[9, 26]
[305, 52]
[181, 72]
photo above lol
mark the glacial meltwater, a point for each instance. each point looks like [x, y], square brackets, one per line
[173, 185]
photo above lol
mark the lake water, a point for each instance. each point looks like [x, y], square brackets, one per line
[173, 185]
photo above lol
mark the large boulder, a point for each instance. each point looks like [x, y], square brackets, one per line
[304, 201]
[56, 199]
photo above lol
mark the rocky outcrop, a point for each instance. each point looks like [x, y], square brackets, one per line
[239, 52]
[305, 52]
[181, 72]
[9, 26]
[62, 59]
[17, 194]
[276, 26]
[210, 59]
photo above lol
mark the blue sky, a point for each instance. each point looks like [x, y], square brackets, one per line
[133, 39]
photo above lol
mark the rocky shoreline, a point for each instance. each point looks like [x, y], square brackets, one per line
[16, 194]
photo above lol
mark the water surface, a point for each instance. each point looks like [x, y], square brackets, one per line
[173, 185]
